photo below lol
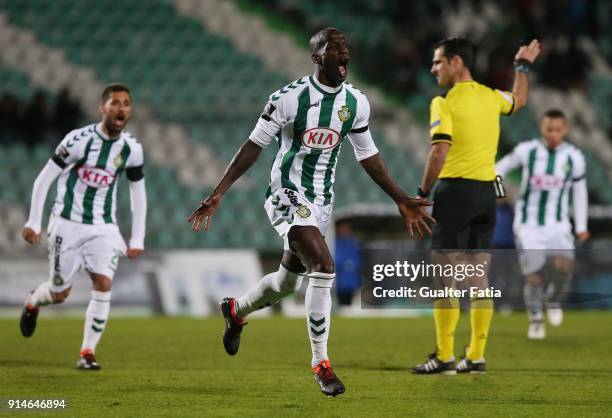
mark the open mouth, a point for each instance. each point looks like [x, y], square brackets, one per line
[342, 67]
[120, 118]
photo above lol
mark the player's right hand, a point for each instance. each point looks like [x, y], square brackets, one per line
[30, 236]
[414, 212]
[528, 52]
[204, 212]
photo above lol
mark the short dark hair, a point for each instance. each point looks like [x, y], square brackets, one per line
[458, 46]
[113, 88]
[554, 114]
[319, 39]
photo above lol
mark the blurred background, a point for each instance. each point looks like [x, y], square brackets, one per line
[200, 73]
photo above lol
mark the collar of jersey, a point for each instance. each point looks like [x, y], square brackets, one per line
[323, 89]
[464, 82]
[98, 130]
[560, 147]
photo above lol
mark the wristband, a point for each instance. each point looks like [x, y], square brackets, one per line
[421, 193]
[522, 65]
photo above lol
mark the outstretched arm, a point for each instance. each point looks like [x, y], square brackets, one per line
[412, 210]
[377, 170]
[523, 59]
[510, 162]
[31, 230]
[435, 162]
[242, 161]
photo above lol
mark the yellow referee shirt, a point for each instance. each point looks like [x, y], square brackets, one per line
[468, 119]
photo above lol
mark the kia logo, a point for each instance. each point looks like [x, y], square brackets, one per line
[546, 182]
[320, 138]
[95, 177]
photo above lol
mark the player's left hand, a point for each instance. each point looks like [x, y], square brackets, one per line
[583, 236]
[528, 52]
[134, 252]
[414, 212]
[204, 212]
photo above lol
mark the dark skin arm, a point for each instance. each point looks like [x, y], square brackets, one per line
[242, 161]
[412, 210]
[435, 162]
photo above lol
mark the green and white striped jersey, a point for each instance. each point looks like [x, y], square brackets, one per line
[548, 177]
[92, 164]
[309, 121]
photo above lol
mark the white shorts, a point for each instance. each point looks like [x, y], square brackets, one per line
[73, 245]
[537, 244]
[287, 208]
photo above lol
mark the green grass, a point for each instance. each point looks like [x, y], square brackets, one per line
[177, 368]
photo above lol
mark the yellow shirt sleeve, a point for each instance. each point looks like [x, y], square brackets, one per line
[440, 121]
[506, 101]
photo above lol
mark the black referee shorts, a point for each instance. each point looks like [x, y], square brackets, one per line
[465, 211]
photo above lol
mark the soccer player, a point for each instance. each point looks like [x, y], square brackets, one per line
[552, 171]
[307, 120]
[82, 229]
[464, 127]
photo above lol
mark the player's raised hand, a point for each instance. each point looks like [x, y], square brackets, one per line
[414, 212]
[204, 212]
[528, 52]
[30, 236]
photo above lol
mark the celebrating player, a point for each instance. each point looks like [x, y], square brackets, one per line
[82, 229]
[552, 170]
[308, 119]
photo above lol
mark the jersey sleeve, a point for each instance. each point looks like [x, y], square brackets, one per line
[359, 136]
[579, 172]
[271, 120]
[580, 193]
[440, 121]
[511, 161]
[134, 166]
[70, 150]
[506, 101]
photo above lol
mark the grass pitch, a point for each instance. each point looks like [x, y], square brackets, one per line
[177, 368]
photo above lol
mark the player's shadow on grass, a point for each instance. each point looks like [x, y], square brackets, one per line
[556, 372]
[35, 362]
[381, 367]
[179, 388]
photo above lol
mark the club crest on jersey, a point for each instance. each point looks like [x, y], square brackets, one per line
[344, 113]
[303, 211]
[320, 138]
[118, 161]
[57, 280]
[95, 177]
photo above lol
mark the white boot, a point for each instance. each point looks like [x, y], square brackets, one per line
[536, 331]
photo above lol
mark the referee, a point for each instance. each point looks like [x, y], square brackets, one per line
[464, 129]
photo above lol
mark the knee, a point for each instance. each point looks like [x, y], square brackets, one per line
[563, 265]
[327, 268]
[102, 284]
[534, 279]
[60, 297]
